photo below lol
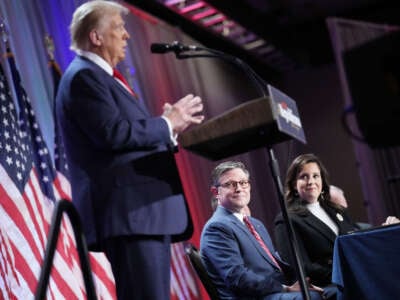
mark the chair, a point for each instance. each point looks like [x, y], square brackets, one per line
[363, 225]
[197, 264]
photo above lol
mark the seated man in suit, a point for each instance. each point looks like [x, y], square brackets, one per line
[239, 265]
[338, 197]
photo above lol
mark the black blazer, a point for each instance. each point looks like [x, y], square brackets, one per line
[315, 239]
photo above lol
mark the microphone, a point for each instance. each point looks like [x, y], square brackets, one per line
[175, 46]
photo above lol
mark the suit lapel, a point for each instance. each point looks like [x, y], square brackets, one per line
[319, 226]
[243, 228]
[135, 101]
[83, 60]
[339, 219]
[124, 90]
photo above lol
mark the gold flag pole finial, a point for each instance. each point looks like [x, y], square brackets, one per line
[48, 41]
[4, 31]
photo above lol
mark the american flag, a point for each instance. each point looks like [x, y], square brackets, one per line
[183, 280]
[27, 192]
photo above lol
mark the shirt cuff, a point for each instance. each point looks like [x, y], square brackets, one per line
[173, 137]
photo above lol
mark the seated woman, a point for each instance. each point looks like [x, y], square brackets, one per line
[317, 221]
[316, 218]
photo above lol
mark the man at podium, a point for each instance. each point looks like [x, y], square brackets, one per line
[125, 182]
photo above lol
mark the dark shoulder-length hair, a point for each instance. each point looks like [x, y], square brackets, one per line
[293, 200]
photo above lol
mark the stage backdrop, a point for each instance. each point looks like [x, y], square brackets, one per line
[157, 79]
[161, 78]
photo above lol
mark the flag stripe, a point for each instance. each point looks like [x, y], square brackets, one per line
[62, 266]
[103, 276]
[185, 268]
[179, 288]
[23, 237]
[14, 283]
[43, 215]
[103, 279]
[18, 222]
[62, 187]
[175, 290]
[61, 256]
[183, 284]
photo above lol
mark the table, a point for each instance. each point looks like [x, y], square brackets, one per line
[366, 264]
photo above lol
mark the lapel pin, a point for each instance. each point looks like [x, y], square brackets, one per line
[339, 216]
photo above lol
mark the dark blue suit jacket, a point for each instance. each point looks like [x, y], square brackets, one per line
[123, 172]
[236, 262]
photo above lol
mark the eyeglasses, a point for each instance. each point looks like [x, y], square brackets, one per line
[234, 184]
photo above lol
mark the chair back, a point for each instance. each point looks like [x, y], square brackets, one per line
[197, 264]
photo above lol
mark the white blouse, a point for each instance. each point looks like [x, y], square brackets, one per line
[316, 209]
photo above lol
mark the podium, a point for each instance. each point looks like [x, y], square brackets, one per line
[260, 122]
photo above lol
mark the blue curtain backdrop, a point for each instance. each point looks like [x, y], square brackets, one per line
[27, 23]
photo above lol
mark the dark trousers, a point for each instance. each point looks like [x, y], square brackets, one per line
[141, 266]
[292, 296]
[330, 293]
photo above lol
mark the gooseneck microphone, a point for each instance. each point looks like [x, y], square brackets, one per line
[185, 52]
[175, 46]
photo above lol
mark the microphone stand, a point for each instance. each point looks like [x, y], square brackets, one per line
[253, 76]
[262, 87]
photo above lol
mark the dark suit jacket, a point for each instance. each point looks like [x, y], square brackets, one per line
[316, 241]
[234, 259]
[123, 173]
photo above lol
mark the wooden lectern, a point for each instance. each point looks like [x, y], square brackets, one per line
[261, 122]
[248, 126]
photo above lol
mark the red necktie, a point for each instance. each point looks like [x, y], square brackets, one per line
[118, 75]
[259, 240]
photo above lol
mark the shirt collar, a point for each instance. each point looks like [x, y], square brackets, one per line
[98, 60]
[236, 214]
[314, 205]
[239, 216]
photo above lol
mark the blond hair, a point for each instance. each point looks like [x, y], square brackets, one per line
[89, 16]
